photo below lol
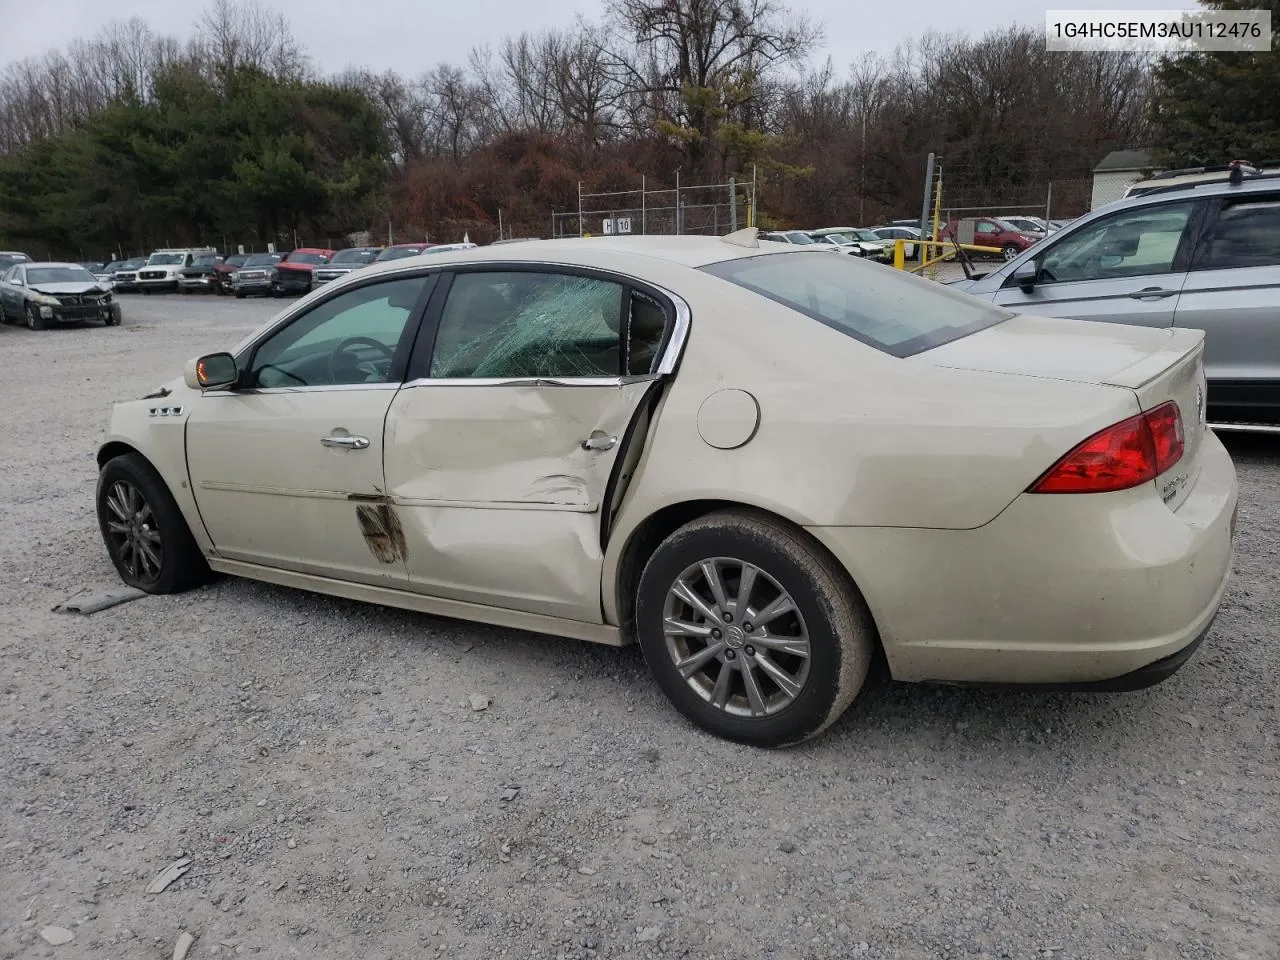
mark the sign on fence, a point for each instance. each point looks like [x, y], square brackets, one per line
[617, 225]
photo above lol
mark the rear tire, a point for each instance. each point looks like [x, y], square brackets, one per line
[145, 533]
[806, 660]
[1009, 252]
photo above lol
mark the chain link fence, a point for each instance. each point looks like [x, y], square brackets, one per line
[710, 209]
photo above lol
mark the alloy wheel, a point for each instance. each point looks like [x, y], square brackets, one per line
[132, 532]
[736, 637]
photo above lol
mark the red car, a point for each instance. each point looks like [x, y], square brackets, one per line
[293, 274]
[222, 272]
[989, 232]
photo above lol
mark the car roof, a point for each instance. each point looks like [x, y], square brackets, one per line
[1214, 188]
[608, 253]
[52, 263]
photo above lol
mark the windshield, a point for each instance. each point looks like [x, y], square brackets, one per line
[208, 261]
[297, 257]
[798, 237]
[890, 310]
[235, 260]
[865, 235]
[399, 253]
[160, 259]
[262, 260]
[354, 256]
[39, 275]
[133, 264]
[839, 239]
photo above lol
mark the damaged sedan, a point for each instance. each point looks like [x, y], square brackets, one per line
[767, 466]
[47, 294]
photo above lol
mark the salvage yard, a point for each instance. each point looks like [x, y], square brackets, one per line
[355, 782]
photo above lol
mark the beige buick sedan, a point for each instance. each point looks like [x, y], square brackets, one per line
[765, 464]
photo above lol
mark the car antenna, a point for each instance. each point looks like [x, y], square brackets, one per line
[747, 237]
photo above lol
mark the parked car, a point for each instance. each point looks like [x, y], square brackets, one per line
[449, 247]
[1204, 255]
[989, 497]
[990, 232]
[893, 233]
[296, 270]
[200, 274]
[256, 275]
[1032, 226]
[163, 267]
[223, 271]
[854, 240]
[106, 273]
[515, 240]
[47, 294]
[398, 251]
[343, 262]
[9, 257]
[93, 266]
[797, 237]
[124, 278]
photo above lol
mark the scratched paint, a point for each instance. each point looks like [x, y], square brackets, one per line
[558, 488]
[382, 532]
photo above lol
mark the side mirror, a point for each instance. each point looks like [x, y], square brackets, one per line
[1026, 275]
[213, 371]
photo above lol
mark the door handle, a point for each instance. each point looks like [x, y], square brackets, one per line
[349, 443]
[1151, 293]
[599, 441]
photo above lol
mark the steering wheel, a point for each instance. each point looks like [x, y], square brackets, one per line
[341, 351]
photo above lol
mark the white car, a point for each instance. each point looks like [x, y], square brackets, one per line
[163, 269]
[763, 464]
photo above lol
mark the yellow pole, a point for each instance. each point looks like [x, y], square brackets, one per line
[899, 254]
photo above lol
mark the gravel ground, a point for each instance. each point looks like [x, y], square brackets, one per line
[319, 763]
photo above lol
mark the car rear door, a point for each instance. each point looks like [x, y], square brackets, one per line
[505, 450]
[1125, 268]
[1233, 293]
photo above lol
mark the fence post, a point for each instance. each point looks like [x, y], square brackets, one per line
[643, 207]
[1048, 204]
[733, 205]
[924, 209]
[579, 208]
[677, 201]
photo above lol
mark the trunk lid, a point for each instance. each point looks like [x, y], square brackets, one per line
[1157, 364]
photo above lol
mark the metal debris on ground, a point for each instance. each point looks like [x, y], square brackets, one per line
[85, 604]
[169, 874]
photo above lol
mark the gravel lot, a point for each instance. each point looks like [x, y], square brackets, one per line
[319, 763]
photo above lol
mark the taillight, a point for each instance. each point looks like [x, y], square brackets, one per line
[1127, 454]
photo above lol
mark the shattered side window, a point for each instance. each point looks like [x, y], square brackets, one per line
[520, 324]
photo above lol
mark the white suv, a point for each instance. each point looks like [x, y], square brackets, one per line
[163, 267]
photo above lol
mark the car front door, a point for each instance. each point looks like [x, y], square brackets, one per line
[1125, 268]
[1233, 294]
[502, 448]
[287, 466]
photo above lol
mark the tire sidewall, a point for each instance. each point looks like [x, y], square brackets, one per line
[175, 539]
[812, 708]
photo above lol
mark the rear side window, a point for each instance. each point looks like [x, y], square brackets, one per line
[888, 309]
[1245, 234]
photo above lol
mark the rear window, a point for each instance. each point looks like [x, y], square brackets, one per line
[888, 309]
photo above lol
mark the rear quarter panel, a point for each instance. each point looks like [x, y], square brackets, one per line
[847, 435]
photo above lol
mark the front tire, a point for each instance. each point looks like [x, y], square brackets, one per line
[34, 320]
[751, 630]
[145, 533]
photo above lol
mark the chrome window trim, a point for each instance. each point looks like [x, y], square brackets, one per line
[530, 381]
[313, 388]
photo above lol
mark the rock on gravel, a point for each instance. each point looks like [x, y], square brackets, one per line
[931, 822]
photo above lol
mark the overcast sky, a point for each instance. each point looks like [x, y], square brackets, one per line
[411, 36]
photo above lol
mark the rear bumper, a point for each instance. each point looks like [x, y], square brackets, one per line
[1062, 591]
